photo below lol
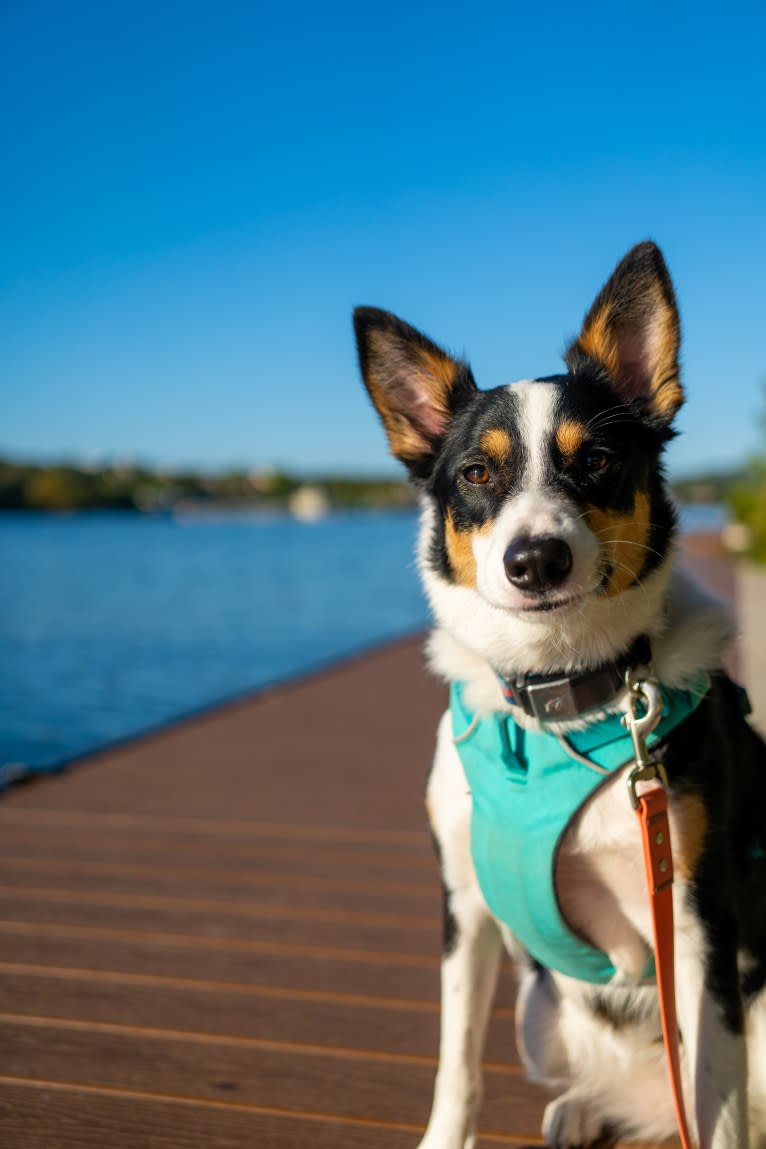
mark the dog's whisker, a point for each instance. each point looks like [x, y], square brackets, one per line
[594, 420]
[619, 542]
[608, 421]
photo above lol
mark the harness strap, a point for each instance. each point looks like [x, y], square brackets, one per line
[658, 863]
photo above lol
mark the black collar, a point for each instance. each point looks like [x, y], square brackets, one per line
[559, 696]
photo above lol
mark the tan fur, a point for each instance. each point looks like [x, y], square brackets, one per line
[497, 445]
[609, 336]
[460, 552]
[623, 539]
[427, 371]
[441, 367]
[597, 339]
[690, 826]
[569, 437]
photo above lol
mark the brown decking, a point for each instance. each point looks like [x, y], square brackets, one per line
[228, 934]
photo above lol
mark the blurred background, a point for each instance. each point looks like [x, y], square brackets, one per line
[196, 495]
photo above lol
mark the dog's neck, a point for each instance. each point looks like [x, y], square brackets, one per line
[688, 630]
[566, 695]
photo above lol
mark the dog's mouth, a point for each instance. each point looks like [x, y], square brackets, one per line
[548, 605]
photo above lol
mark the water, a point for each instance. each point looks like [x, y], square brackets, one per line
[703, 517]
[111, 624]
[114, 623]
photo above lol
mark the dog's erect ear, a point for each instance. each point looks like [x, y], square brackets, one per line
[633, 330]
[415, 386]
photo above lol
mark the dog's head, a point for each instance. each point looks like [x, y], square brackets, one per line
[547, 527]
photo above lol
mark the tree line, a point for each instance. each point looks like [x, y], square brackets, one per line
[74, 487]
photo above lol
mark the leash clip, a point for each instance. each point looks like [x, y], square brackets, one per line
[640, 719]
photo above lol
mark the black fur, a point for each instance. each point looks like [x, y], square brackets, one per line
[449, 923]
[716, 755]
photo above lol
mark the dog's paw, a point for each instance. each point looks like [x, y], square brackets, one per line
[434, 1140]
[568, 1123]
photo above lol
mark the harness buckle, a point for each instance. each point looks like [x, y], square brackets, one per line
[643, 714]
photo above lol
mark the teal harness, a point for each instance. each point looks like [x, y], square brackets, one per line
[526, 787]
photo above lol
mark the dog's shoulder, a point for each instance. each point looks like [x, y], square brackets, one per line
[693, 632]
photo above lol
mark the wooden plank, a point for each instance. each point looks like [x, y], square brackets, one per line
[209, 909]
[389, 1027]
[41, 1115]
[46, 947]
[200, 881]
[214, 961]
[132, 843]
[267, 857]
[228, 828]
[199, 941]
[320, 931]
[349, 1084]
[352, 904]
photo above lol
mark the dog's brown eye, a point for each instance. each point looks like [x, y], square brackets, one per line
[477, 473]
[596, 460]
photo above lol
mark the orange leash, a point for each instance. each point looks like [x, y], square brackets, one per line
[658, 862]
[641, 719]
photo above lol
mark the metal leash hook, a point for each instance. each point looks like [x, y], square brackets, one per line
[641, 718]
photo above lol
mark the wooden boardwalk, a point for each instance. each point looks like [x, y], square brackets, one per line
[227, 934]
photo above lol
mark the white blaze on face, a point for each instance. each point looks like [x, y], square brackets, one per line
[534, 512]
[537, 412]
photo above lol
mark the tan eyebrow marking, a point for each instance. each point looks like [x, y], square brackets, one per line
[497, 444]
[569, 437]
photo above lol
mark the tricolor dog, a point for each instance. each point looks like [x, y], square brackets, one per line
[548, 553]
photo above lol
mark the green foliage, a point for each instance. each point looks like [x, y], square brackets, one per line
[63, 487]
[60, 489]
[368, 493]
[747, 498]
[12, 480]
[747, 503]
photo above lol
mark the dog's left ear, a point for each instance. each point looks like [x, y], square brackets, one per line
[633, 331]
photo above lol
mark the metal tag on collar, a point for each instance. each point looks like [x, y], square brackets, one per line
[641, 718]
[551, 701]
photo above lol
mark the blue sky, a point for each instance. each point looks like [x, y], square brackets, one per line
[195, 195]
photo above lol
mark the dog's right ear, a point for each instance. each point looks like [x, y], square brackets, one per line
[415, 386]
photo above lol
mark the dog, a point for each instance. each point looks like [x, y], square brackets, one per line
[548, 552]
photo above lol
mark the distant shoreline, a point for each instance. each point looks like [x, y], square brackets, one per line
[68, 487]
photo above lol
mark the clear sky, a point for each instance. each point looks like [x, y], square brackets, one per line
[194, 196]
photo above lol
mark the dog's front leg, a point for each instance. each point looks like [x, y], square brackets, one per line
[468, 979]
[470, 960]
[711, 1020]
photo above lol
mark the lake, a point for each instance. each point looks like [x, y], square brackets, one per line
[111, 624]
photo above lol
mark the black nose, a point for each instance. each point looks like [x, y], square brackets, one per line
[537, 564]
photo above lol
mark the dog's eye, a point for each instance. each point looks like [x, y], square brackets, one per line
[596, 461]
[477, 473]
